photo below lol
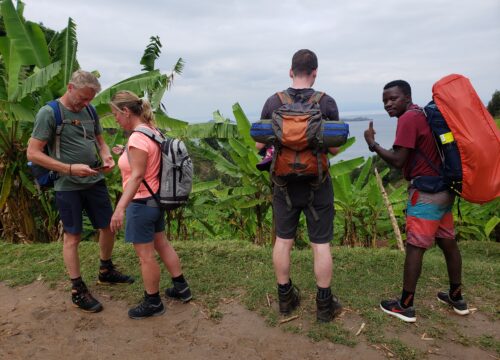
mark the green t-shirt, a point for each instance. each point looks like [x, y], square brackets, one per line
[78, 144]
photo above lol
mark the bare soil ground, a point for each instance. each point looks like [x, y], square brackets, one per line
[37, 322]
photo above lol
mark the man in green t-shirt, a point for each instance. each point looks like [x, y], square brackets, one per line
[80, 186]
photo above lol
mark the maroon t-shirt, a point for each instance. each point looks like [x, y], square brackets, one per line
[414, 133]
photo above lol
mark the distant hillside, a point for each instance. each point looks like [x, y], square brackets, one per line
[359, 118]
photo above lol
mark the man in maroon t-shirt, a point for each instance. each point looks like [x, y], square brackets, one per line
[428, 215]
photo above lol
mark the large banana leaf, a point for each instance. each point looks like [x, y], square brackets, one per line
[12, 63]
[204, 186]
[239, 148]
[40, 79]
[27, 37]
[139, 84]
[342, 188]
[490, 225]
[221, 163]
[20, 112]
[163, 122]
[66, 46]
[348, 143]
[360, 181]
[156, 97]
[247, 204]
[244, 190]
[151, 53]
[210, 130]
[373, 195]
[345, 167]
[240, 155]
[243, 125]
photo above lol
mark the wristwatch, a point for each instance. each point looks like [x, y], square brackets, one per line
[372, 146]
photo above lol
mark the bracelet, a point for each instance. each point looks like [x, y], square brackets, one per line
[70, 170]
[372, 146]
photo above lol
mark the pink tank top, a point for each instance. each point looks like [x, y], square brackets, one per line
[142, 142]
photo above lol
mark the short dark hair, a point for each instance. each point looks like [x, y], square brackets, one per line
[304, 62]
[403, 85]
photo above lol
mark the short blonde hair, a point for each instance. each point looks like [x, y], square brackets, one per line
[81, 79]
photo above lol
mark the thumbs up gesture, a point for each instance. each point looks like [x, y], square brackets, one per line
[370, 134]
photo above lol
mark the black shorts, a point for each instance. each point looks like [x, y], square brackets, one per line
[320, 231]
[94, 200]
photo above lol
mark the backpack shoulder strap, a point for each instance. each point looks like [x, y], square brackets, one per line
[151, 134]
[92, 112]
[58, 113]
[284, 97]
[316, 97]
[93, 115]
[59, 117]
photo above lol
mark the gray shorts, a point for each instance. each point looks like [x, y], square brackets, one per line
[287, 220]
[143, 222]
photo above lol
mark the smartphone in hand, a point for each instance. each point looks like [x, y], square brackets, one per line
[99, 168]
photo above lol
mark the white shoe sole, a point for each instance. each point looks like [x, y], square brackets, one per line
[399, 316]
[458, 311]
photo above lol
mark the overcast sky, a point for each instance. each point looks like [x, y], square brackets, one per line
[240, 51]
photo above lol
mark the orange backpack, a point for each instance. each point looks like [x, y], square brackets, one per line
[298, 126]
[476, 135]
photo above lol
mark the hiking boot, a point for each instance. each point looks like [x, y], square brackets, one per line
[179, 291]
[459, 306]
[394, 308]
[289, 300]
[146, 309]
[83, 300]
[112, 276]
[327, 309]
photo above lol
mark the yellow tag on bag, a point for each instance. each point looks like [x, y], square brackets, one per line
[446, 138]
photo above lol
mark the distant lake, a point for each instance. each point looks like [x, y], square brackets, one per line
[384, 126]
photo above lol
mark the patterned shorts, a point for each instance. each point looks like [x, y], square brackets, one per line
[429, 216]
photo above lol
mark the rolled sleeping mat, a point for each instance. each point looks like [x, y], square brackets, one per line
[335, 133]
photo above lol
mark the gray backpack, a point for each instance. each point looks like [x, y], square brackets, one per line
[176, 171]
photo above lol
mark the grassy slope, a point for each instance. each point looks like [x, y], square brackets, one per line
[230, 269]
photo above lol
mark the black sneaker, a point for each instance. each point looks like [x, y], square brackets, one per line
[179, 291]
[289, 300]
[83, 300]
[459, 306]
[146, 309]
[394, 308]
[327, 309]
[113, 276]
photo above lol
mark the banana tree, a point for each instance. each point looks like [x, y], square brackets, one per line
[476, 222]
[33, 72]
[360, 205]
[244, 195]
[30, 76]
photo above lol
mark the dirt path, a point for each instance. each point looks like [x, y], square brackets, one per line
[40, 323]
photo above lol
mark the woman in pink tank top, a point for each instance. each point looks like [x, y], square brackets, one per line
[137, 209]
